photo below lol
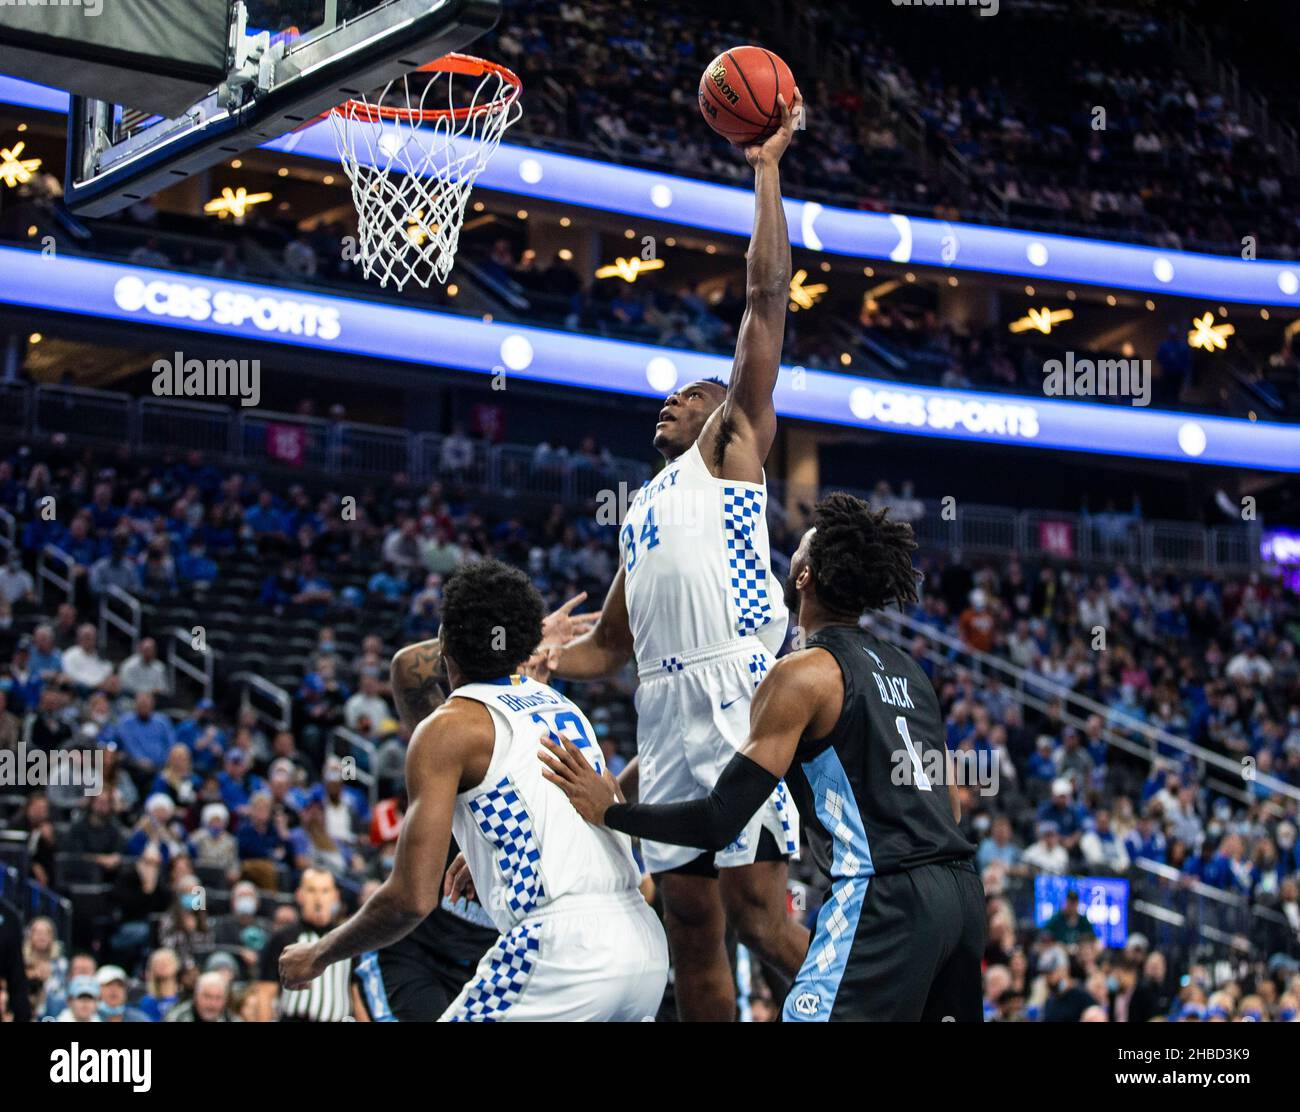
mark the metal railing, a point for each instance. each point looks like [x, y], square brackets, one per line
[969, 528]
[267, 439]
[8, 533]
[182, 640]
[366, 769]
[269, 703]
[1185, 913]
[1119, 729]
[109, 617]
[59, 576]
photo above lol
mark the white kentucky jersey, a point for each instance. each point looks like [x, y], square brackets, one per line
[696, 564]
[525, 844]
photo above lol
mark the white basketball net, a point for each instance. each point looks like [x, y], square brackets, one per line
[412, 175]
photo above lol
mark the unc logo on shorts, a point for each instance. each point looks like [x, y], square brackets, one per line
[807, 1003]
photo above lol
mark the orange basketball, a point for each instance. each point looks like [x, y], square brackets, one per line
[738, 94]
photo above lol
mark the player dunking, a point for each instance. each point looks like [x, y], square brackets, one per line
[695, 602]
[578, 941]
[855, 725]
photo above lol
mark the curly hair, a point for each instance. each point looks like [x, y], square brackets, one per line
[860, 559]
[491, 619]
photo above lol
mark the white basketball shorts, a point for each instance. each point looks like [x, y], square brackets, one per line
[578, 959]
[692, 717]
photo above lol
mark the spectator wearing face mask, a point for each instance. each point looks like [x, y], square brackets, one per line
[186, 928]
[243, 931]
[1066, 1002]
[212, 845]
[114, 989]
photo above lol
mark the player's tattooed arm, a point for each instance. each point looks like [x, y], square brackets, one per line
[738, 437]
[453, 745]
[417, 677]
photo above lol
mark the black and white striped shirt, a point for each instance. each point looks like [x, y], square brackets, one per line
[328, 999]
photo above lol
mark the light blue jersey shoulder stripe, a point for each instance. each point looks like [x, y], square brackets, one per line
[813, 994]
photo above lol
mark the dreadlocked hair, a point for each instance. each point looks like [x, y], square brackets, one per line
[860, 559]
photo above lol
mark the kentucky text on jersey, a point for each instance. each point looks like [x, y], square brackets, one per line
[654, 487]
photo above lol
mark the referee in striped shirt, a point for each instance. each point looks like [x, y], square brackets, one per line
[333, 996]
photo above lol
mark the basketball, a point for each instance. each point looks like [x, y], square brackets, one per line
[738, 92]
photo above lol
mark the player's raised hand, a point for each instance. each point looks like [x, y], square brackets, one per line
[590, 792]
[562, 626]
[772, 148]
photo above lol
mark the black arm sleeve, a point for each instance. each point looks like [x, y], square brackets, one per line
[710, 823]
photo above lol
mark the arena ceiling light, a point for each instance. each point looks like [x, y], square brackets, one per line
[1042, 320]
[234, 202]
[1207, 335]
[803, 296]
[172, 300]
[14, 169]
[629, 269]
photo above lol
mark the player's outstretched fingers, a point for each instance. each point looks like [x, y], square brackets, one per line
[573, 756]
[552, 757]
[577, 600]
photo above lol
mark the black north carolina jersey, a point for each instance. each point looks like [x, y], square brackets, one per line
[900, 933]
[865, 790]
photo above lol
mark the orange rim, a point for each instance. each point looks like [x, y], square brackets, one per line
[465, 64]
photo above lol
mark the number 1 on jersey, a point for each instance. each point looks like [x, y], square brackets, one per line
[922, 780]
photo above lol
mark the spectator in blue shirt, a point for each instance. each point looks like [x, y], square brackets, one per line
[387, 585]
[279, 591]
[145, 737]
[266, 520]
[196, 567]
[81, 544]
[998, 846]
[1060, 809]
[1146, 840]
[205, 739]
[238, 783]
[1041, 767]
[263, 841]
[45, 660]
[20, 681]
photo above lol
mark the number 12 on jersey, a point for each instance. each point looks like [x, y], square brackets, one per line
[649, 539]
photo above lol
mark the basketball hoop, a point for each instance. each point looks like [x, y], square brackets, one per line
[412, 152]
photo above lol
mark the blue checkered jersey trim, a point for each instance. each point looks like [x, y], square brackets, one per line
[505, 822]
